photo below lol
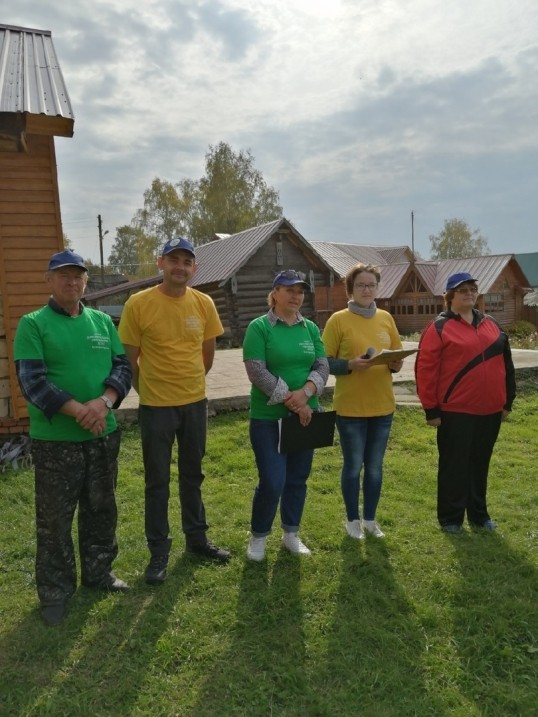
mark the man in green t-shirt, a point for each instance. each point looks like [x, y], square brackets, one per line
[72, 370]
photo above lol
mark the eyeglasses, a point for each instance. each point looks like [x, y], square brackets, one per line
[467, 290]
[363, 287]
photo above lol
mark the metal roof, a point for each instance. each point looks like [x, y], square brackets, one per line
[394, 254]
[341, 257]
[218, 260]
[529, 265]
[30, 76]
[427, 271]
[391, 278]
[485, 269]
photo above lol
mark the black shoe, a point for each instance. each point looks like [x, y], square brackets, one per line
[489, 525]
[451, 528]
[110, 582]
[210, 551]
[156, 571]
[53, 614]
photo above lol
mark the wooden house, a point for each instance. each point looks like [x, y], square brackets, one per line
[34, 108]
[237, 271]
[412, 290]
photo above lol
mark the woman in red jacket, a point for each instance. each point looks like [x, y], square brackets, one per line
[466, 383]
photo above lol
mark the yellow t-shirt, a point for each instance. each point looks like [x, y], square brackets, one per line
[169, 332]
[368, 393]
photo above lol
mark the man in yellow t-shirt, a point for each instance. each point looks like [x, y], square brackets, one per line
[169, 333]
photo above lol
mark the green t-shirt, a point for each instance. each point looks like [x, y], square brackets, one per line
[78, 352]
[288, 352]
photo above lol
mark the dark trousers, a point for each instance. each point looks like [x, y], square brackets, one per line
[465, 444]
[160, 426]
[68, 475]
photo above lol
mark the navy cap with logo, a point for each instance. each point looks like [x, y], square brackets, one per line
[454, 280]
[290, 277]
[178, 243]
[66, 258]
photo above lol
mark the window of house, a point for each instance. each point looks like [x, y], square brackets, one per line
[493, 303]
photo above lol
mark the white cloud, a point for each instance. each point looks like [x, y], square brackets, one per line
[356, 111]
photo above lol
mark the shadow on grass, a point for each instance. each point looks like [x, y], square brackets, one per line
[373, 661]
[258, 674]
[102, 655]
[495, 619]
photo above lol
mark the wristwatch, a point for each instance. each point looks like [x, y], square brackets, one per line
[108, 403]
[308, 391]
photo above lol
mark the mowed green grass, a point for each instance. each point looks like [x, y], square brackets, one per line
[420, 623]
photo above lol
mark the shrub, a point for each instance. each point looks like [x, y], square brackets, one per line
[520, 330]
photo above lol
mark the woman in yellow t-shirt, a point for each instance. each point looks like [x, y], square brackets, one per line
[363, 395]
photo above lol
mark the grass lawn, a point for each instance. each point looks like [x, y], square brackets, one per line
[420, 623]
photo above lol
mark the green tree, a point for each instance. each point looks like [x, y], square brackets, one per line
[233, 195]
[457, 241]
[133, 253]
[163, 215]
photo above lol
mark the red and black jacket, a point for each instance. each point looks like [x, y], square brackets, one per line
[464, 368]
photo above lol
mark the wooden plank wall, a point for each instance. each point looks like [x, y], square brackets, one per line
[30, 231]
[237, 309]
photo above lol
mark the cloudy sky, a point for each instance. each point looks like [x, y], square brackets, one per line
[357, 111]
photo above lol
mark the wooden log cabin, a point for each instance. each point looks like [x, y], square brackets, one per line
[34, 108]
[237, 271]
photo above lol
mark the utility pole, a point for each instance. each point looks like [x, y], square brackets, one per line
[101, 235]
[413, 233]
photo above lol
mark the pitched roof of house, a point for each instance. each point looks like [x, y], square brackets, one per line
[220, 259]
[341, 257]
[394, 254]
[529, 263]
[31, 79]
[485, 269]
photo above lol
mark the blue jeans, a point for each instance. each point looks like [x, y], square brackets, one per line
[281, 477]
[363, 442]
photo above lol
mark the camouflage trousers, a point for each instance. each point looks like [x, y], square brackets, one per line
[70, 475]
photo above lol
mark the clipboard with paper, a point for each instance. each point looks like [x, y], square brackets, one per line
[388, 356]
[295, 437]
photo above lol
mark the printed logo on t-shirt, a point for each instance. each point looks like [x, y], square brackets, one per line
[192, 322]
[99, 341]
[307, 346]
[384, 337]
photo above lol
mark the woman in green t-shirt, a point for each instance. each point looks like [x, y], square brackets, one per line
[285, 362]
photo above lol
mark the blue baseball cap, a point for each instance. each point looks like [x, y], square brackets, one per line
[454, 280]
[66, 258]
[178, 243]
[290, 277]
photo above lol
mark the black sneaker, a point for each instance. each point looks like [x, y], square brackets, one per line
[452, 528]
[110, 582]
[210, 551]
[53, 614]
[156, 571]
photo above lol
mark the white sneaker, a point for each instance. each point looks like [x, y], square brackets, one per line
[294, 544]
[256, 548]
[354, 529]
[372, 527]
